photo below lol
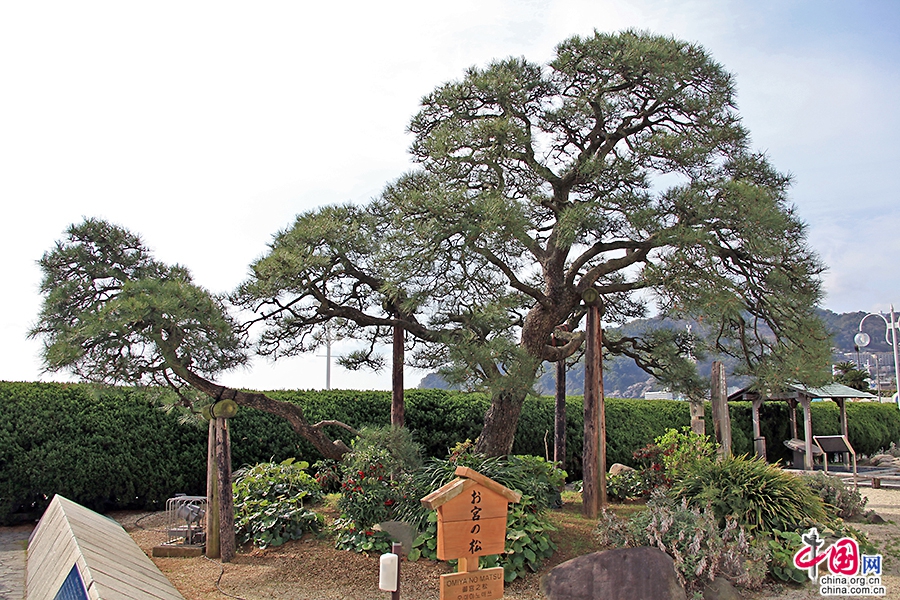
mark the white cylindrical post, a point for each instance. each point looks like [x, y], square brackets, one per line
[388, 576]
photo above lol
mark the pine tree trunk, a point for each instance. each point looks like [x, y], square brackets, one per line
[500, 422]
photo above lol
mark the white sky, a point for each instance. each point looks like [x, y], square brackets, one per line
[206, 126]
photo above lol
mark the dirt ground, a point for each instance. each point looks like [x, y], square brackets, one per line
[311, 569]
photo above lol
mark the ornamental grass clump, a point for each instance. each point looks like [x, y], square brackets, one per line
[759, 496]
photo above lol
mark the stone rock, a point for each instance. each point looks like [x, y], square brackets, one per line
[873, 518]
[618, 468]
[400, 532]
[879, 458]
[620, 574]
[721, 589]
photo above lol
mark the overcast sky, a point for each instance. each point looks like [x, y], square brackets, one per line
[207, 126]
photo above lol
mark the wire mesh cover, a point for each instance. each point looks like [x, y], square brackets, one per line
[186, 520]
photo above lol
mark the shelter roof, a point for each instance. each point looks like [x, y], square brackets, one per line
[828, 391]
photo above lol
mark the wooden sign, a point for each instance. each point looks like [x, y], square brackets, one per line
[484, 583]
[471, 523]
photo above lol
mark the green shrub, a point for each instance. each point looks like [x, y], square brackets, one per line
[783, 545]
[700, 546]
[328, 473]
[760, 496]
[683, 450]
[843, 501]
[103, 447]
[269, 503]
[624, 486]
[360, 539]
[373, 487]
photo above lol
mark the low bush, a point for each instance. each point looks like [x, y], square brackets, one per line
[269, 503]
[845, 502]
[624, 486]
[760, 496]
[701, 547]
[374, 486]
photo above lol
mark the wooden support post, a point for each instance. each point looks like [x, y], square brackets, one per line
[842, 404]
[720, 413]
[559, 437]
[807, 434]
[212, 495]
[226, 496]
[792, 415]
[697, 424]
[398, 410]
[594, 458]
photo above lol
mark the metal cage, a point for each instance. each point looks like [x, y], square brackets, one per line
[186, 520]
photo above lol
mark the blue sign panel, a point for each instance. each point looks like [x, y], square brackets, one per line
[73, 587]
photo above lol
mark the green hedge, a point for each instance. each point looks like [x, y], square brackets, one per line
[112, 448]
[105, 448]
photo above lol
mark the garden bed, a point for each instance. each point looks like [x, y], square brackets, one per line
[312, 569]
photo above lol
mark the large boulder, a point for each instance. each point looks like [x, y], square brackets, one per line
[620, 574]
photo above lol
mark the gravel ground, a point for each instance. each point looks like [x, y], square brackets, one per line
[885, 536]
[308, 570]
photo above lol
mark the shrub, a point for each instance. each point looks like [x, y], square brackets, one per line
[624, 485]
[844, 501]
[328, 473]
[669, 457]
[360, 539]
[700, 546]
[683, 450]
[760, 496]
[373, 486]
[783, 546]
[269, 503]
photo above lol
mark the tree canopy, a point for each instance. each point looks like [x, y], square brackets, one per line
[620, 166]
[114, 314]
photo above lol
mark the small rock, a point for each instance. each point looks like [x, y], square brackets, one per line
[721, 589]
[619, 468]
[873, 518]
[400, 532]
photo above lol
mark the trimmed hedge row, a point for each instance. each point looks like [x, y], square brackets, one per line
[112, 448]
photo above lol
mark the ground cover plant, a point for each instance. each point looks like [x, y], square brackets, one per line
[271, 503]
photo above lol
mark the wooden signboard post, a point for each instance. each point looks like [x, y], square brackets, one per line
[471, 523]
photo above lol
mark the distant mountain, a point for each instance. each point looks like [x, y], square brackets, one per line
[624, 379]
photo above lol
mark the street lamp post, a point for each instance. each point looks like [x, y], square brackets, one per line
[862, 339]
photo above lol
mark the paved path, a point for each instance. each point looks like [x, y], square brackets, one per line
[12, 561]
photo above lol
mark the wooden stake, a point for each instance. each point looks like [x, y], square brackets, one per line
[720, 413]
[594, 458]
[559, 437]
[226, 496]
[212, 495]
[398, 411]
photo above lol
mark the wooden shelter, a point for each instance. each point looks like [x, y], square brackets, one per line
[800, 394]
